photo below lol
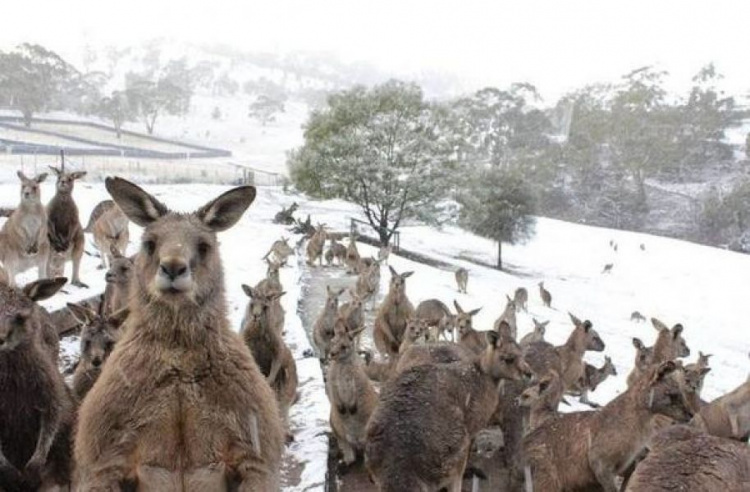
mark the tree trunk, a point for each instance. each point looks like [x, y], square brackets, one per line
[27, 117]
[382, 231]
[499, 255]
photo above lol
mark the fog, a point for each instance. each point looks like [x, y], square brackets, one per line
[556, 45]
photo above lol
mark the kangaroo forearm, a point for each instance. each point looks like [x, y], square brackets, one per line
[47, 432]
[273, 374]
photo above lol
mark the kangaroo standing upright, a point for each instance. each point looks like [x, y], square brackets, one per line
[64, 226]
[180, 404]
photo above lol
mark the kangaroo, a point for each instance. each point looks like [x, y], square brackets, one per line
[272, 355]
[99, 209]
[535, 336]
[669, 345]
[315, 246]
[338, 252]
[350, 392]
[683, 458]
[593, 377]
[23, 238]
[111, 230]
[542, 400]
[352, 312]
[63, 225]
[583, 450]
[468, 337]
[180, 403]
[521, 299]
[286, 215]
[407, 445]
[462, 279]
[643, 356]
[280, 250]
[352, 254]
[437, 316]
[545, 295]
[267, 288]
[509, 316]
[323, 327]
[99, 334]
[695, 373]
[608, 268]
[36, 409]
[727, 416]
[637, 317]
[368, 285]
[390, 321]
[566, 359]
[118, 277]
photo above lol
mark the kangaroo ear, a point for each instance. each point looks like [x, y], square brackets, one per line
[458, 307]
[587, 326]
[82, 314]
[118, 317]
[493, 338]
[139, 206]
[504, 330]
[658, 324]
[275, 295]
[663, 370]
[41, 177]
[574, 319]
[21, 175]
[544, 384]
[114, 251]
[44, 289]
[393, 272]
[55, 170]
[224, 211]
[78, 174]
[474, 312]
[248, 291]
[637, 343]
[677, 330]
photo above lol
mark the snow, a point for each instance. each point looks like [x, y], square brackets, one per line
[675, 281]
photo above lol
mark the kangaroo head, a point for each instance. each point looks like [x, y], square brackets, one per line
[670, 342]
[585, 335]
[609, 368]
[398, 284]
[99, 333]
[332, 298]
[179, 262]
[343, 344]
[548, 388]
[415, 330]
[120, 269]
[502, 359]
[663, 389]
[66, 180]
[462, 320]
[30, 191]
[20, 315]
[260, 302]
[540, 327]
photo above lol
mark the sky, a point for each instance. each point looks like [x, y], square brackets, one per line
[557, 45]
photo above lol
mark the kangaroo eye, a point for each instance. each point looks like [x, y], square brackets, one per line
[203, 249]
[510, 359]
[149, 247]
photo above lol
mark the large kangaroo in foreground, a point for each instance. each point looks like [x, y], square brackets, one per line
[180, 404]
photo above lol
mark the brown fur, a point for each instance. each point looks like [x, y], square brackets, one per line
[669, 346]
[99, 209]
[180, 399]
[36, 409]
[323, 327]
[583, 450]
[280, 250]
[727, 416]
[545, 295]
[393, 313]
[352, 312]
[682, 458]
[437, 316]
[338, 251]
[419, 439]
[368, 284]
[351, 394]
[521, 299]
[23, 239]
[542, 400]
[593, 377]
[111, 231]
[462, 279]
[352, 254]
[509, 316]
[118, 278]
[269, 350]
[99, 335]
[64, 226]
[535, 336]
[566, 359]
[315, 246]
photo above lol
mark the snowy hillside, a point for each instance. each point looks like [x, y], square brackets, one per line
[700, 287]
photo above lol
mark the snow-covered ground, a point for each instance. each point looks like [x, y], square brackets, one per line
[703, 288]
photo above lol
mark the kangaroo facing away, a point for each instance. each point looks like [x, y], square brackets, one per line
[683, 458]
[23, 239]
[545, 295]
[180, 403]
[419, 438]
[64, 226]
[99, 335]
[521, 299]
[111, 231]
[727, 416]
[437, 316]
[36, 409]
[462, 279]
[586, 450]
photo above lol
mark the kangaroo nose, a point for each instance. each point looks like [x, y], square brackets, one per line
[96, 362]
[173, 269]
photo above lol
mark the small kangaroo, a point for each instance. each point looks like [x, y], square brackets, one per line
[437, 316]
[393, 313]
[683, 458]
[180, 403]
[323, 327]
[118, 278]
[99, 335]
[637, 317]
[23, 239]
[269, 350]
[545, 295]
[352, 312]
[669, 345]
[585, 450]
[368, 285]
[608, 268]
[643, 357]
[315, 246]
[462, 279]
[535, 336]
[352, 254]
[419, 438]
[521, 299]
[111, 231]
[542, 400]
[36, 409]
[280, 250]
[63, 224]
[338, 251]
[509, 316]
[350, 392]
[593, 377]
